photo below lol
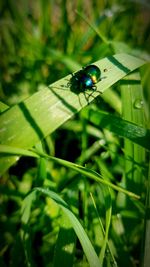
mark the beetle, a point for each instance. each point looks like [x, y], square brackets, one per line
[85, 79]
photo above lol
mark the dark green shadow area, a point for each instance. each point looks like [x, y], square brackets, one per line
[129, 82]
[66, 239]
[117, 63]
[64, 102]
[31, 120]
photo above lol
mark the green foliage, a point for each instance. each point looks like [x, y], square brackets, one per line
[45, 111]
[74, 165]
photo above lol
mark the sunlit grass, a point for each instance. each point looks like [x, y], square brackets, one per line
[73, 192]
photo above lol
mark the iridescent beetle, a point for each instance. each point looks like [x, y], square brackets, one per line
[86, 78]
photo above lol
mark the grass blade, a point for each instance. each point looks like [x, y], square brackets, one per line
[23, 125]
[123, 128]
[87, 172]
[25, 232]
[84, 240]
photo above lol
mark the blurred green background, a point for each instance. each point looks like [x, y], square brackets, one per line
[40, 42]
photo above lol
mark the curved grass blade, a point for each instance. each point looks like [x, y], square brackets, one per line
[23, 125]
[87, 172]
[84, 240]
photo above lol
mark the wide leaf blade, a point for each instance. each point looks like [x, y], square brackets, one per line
[23, 125]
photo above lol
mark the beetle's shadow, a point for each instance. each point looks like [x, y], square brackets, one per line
[74, 85]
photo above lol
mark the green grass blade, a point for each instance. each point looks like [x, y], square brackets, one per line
[84, 240]
[108, 207]
[146, 236]
[123, 128]
[134, 177]
[25, 124]
[3, 107]
[25, 231]
[87, 172]
[93, 27]
[9, 150]
[103, 231]
[133, 112]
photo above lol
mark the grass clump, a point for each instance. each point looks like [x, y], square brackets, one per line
[74, 165]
